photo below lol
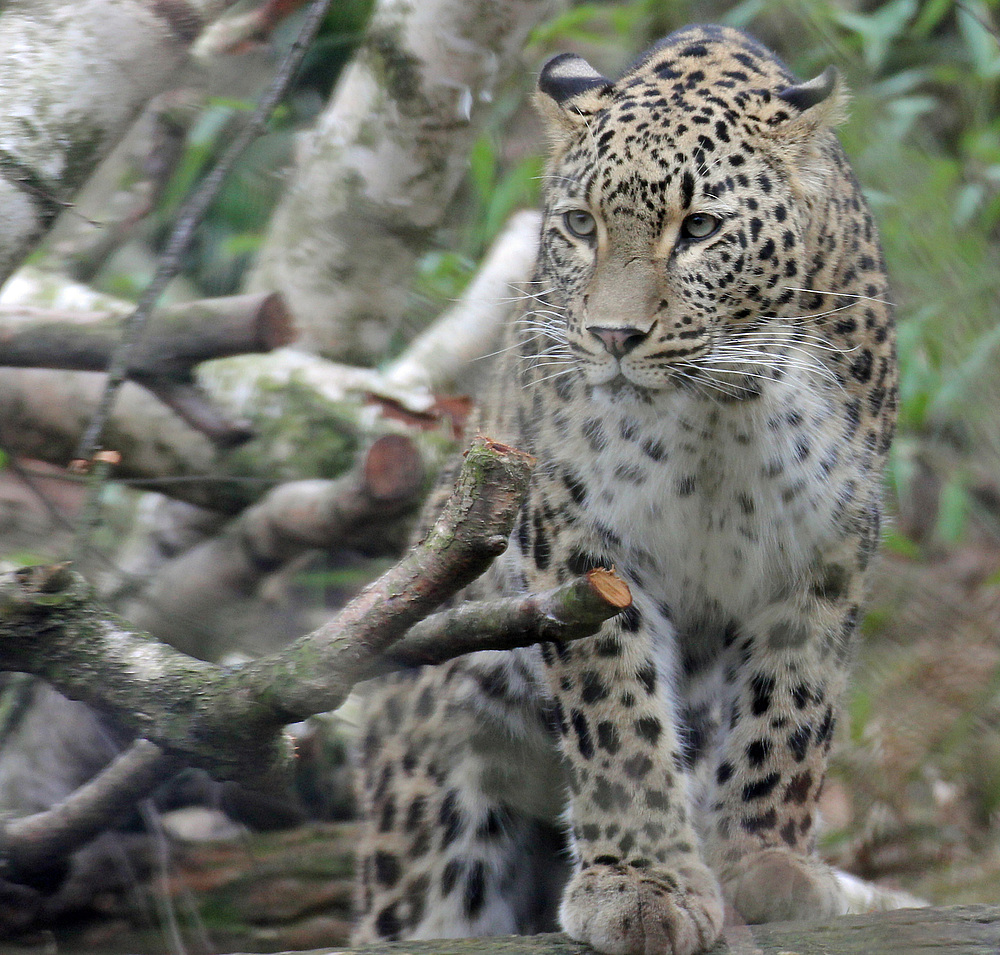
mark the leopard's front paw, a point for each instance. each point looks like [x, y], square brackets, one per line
[621, 910]
[776, 885]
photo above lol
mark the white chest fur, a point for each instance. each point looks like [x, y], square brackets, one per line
[708, 501]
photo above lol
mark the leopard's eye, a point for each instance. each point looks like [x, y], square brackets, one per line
[580, 223]
[699, 225]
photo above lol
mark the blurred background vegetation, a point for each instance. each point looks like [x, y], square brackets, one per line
[915, 793]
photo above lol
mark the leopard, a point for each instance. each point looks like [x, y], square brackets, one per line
[703, 366]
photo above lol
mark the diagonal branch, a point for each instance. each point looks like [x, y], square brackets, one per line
[38, 842]
[569, 612]
[229, 719]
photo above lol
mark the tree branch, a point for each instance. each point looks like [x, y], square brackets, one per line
[178, 338]
[358, 509]
[35, 843]
[574, 610]
[470, 328]
[307, 416]
[229, 719]
[169, 264]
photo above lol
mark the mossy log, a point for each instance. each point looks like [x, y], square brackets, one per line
[953, 930]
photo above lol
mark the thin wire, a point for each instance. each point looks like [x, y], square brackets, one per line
[191, 215]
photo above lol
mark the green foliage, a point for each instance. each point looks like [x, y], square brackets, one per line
[496, 191]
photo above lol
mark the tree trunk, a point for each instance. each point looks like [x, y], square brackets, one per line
[72, 77]
[375, 177]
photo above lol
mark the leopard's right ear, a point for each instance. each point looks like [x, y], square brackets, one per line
[569, 91]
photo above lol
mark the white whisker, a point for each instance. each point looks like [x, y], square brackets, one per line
[854, 295]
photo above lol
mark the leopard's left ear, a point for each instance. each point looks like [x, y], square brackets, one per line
[797, 136]
[569, 92]
[819, 102]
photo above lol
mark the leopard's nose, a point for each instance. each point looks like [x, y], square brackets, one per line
[618, 341]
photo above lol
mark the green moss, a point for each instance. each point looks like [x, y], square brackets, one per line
[86, 146]
[395, 71]
[299, 435]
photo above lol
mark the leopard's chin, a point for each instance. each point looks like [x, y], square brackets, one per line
[621, 389]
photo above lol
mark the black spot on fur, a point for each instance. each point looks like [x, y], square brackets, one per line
[450, 876]
[415, 813]
[541, 550]
[762, 689]
[492, 824]
[760, 788]
[630, 619]
[648, 728]
[797, 790]
[583, 739]
[387, 923]
[450, 818]
[387, 869]
[758, 752]
[798, 742]
[647, 676]
[580, 562]
[607, 737]
[475, 889]
[761, 823]
[594, 689]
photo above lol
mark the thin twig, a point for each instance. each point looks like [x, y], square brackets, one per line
[170, 263]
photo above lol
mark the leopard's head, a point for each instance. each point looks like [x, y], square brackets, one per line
[683, 207]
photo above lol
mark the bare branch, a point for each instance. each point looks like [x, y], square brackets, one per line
[355, 510]
[574, 610]
[308, 418]
[183, 232]
[194, 407]
[34, 842]
[178, 338]
[229, 719]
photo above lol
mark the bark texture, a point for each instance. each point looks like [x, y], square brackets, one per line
[178, 337]
[72, 78]
[308, 417]
[375, 177]
[189, 601]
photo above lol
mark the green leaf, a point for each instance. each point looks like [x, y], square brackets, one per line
[931, 14]
[980, 43]
[901, 545]
[953, 512]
